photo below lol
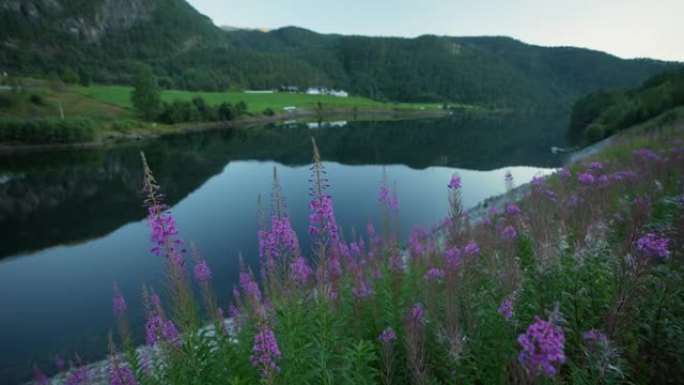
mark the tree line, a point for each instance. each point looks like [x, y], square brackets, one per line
[146, 100]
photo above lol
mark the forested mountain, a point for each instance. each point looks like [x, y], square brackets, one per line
[102, 40]
[602, 113]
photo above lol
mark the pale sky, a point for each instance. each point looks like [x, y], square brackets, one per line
[626, 28]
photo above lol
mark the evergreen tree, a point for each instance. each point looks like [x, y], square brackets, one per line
[146, 97]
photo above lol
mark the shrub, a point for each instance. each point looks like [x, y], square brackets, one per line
[45, 131]
[37, 99]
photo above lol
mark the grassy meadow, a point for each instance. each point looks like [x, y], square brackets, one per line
[110, 109]
[256, 102]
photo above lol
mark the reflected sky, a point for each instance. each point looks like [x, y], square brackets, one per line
[58, 300]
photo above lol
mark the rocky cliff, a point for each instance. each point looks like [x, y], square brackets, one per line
[84, 20]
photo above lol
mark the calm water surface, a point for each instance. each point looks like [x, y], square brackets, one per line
[72, 223]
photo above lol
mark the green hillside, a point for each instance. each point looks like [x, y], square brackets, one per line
[83, 41]
[602, 113]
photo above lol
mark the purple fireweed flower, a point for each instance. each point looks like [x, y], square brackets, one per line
[277, 244]
[512, 209]
[538, 181]
[646, 154]
[388, 335]
[573, 201]
[396, 264]
[344, 251]
[471, 248]
[300, 271]
[59, 364]
[416, 247]
[455, 182]
[249, 286]
[603, 180]
[506, 308]
[164, 235]
[265, 352]
[388, 199]
[154, 299]
[322, 220]
[493, 210]
[121, 375]
[418, 313]
[202, 272]
[594, 337]
[285, 234]
[652, 246]
[452, 259]
[233, 312]
[586, 178]
[620, 176]
[370, 229]
[118, 304]
[508, 233]
[363, 289]
[434, 274]
[78, 376]
[355, 249]
[596, 166]
[542, 345]
[170, 333]
[564, 173]
[152, 329]
[40, 378]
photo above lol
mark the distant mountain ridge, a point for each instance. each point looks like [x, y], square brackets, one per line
[106, 38]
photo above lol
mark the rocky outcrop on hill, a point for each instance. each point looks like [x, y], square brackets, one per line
[89, 21]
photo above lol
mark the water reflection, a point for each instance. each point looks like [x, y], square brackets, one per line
[72, 222]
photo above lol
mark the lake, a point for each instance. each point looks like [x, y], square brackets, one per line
[73, 224]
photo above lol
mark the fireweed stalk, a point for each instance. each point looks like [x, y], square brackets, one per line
[278, 245]
[118, 373]
[266, 354]
[456, 222]
[387, 339]
[119, 308]
[202, 275]
[323, 228]
[166, 241]
[416, 344]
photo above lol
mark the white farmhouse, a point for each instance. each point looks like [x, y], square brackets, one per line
[339, 93]
[316, 91]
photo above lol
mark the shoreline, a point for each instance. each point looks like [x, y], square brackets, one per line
[158, 131]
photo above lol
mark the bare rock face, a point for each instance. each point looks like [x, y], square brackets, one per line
[112, 15]
[89, 22]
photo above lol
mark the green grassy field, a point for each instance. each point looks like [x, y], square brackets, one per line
[44, 103]
[120, 96]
